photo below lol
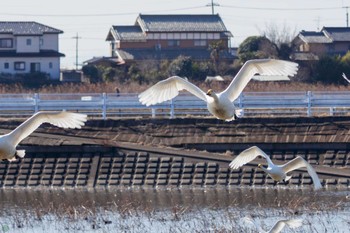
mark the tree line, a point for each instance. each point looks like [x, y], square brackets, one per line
[326, 70]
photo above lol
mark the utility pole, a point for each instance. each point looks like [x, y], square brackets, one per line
[212, 4]
[76, 50]
[347, 15]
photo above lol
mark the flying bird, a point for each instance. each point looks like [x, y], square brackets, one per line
[279, 225]
[219, 104]
[9, 142]
[276, 172]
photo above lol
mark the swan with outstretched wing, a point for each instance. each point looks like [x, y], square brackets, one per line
[276, 172]
[220, 104]
[9, 142]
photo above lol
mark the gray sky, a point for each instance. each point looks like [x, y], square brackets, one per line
[92, 19]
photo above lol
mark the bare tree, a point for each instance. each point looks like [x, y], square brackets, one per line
[278, 34]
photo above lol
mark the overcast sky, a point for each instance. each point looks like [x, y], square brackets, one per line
[93, 19]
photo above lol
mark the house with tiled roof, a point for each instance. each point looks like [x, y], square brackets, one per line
[311, 45]
[29, 47]
[158, 37]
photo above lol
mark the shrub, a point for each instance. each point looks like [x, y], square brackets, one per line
[328, 70]
[92, 73]
[35, 79]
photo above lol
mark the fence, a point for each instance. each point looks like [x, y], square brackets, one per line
[127, 105]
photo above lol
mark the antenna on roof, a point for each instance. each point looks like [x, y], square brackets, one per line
[212, 4]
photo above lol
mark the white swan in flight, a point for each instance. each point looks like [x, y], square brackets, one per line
[279, 225]
[276, 172]
[9, 142]
[219, 104]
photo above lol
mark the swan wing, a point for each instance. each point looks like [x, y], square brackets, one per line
[60, 119]
[346, 78]
[258, 66]
[292, 223]
[278, 227]
[168, 89]
[248, 155]
[299, 162]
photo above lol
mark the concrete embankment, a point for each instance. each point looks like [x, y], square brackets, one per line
[177, 152]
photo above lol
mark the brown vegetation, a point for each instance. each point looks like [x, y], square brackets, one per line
[135, 87]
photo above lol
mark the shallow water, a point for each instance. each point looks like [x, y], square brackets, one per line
[172, 210]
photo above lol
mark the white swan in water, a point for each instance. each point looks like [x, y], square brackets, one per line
[276, 172]
[279, 225]
[220, 104]
[9, 142]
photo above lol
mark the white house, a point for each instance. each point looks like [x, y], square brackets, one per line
[29, 47]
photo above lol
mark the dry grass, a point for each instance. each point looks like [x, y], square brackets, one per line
[133, 87]
[191, 210]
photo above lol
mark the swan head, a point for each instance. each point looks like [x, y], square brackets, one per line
[210, 92]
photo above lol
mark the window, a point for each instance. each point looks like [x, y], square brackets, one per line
[173, 43]
[29, 41]
[34, 67]
[20, 65]
[177, 35]
[170, 36]
[200, 43]
[156, 36]
[50, 65]
[6, 65]
[41, 41]
[203, 35]
[6, 43]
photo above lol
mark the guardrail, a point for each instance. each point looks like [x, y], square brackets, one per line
[127, 105]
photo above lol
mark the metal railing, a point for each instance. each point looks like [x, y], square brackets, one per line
[127, 105]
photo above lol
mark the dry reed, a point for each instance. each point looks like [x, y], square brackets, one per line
[134, 87]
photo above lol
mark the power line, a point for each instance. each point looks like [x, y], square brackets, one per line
[98, 15]
[282, 9]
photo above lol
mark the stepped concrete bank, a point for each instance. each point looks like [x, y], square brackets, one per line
[177, 152]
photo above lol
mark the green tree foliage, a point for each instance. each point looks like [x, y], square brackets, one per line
[329, 70]
[181, 66]
[135, 74]
[109, 74]
[284, 51]
[215, 49]
[35, 79]
[92, 73]
[256, 47]
[200, 70]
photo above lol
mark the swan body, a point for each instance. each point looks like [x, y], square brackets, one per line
[9, 142]
[220, 104]
[276, 172]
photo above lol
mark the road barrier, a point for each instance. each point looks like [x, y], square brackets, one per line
[127, 105]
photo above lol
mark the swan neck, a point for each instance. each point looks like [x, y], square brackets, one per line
[264, 169]
[215, 97]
